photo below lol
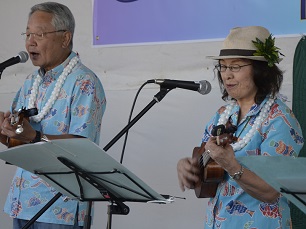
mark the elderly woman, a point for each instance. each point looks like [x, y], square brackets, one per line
[264, 126]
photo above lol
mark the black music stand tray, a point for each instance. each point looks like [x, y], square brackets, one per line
[79, 169]
[285, 174]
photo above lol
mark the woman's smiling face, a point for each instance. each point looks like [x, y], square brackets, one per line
[239, 84]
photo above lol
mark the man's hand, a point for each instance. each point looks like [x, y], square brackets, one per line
[9, 130]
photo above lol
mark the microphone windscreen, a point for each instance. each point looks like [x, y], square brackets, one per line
[205, 87]
[24, 56]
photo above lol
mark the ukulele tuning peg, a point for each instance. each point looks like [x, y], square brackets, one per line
[218, 130]
[231, 129]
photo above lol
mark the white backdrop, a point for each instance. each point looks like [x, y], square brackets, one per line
[166, 133]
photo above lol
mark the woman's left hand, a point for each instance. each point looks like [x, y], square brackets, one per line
[223, 155]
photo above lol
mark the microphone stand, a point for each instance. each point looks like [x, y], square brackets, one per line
[157, 98]
[113, 209]
[1, 70]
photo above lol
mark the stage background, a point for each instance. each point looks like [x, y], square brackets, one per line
[146, 21]
[171, 129]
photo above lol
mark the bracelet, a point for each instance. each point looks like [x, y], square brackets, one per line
[237, 175]
[37, 137]
[44, 138]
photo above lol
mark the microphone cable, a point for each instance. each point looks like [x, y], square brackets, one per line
[130, 117]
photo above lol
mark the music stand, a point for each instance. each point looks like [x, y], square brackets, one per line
[285, 174]
[79, 169]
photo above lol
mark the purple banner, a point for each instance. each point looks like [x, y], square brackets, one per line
[303, 9]
[119, 22]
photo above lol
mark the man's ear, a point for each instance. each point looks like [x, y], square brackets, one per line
[67, 36]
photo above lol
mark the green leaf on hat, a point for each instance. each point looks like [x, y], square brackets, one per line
[268, 50]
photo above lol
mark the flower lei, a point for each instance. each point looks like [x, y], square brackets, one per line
[258, 121]
[55, 93]
[268, 50]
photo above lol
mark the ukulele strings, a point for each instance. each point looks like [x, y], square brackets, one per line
[204, 158]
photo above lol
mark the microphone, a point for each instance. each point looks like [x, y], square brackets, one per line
[21, 58]
[203, 86]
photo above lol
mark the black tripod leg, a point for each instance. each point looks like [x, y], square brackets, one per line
[87, 220]
[110, 213]
[119, 209]
[38, 214]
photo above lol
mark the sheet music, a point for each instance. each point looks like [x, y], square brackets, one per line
[43, 157]
[281, 172]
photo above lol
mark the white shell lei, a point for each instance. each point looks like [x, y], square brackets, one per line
[55, 93]
[258, 121]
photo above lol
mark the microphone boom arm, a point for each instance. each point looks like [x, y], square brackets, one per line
[157, 98]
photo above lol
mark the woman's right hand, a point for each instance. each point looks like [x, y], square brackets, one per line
[188, 172]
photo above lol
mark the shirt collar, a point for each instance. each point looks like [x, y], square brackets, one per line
[254, 110]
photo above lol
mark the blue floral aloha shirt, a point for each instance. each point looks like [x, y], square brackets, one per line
[279, 135]
[78, 111]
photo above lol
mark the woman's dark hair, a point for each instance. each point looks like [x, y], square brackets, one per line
[268, 80]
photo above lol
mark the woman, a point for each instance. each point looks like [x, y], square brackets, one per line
[250, 82]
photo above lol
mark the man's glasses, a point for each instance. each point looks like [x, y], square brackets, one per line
[232, 68]
[38, 36]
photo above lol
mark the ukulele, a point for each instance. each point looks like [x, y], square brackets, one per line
[17, 120]
[211, 173]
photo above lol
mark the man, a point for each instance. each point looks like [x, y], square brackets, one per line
[70, 100]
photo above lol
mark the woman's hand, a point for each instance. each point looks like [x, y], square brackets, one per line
[249, 181]
[187, 171]
[223, 155]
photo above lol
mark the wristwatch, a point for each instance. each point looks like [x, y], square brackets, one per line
[39, 137]
[237, 175]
